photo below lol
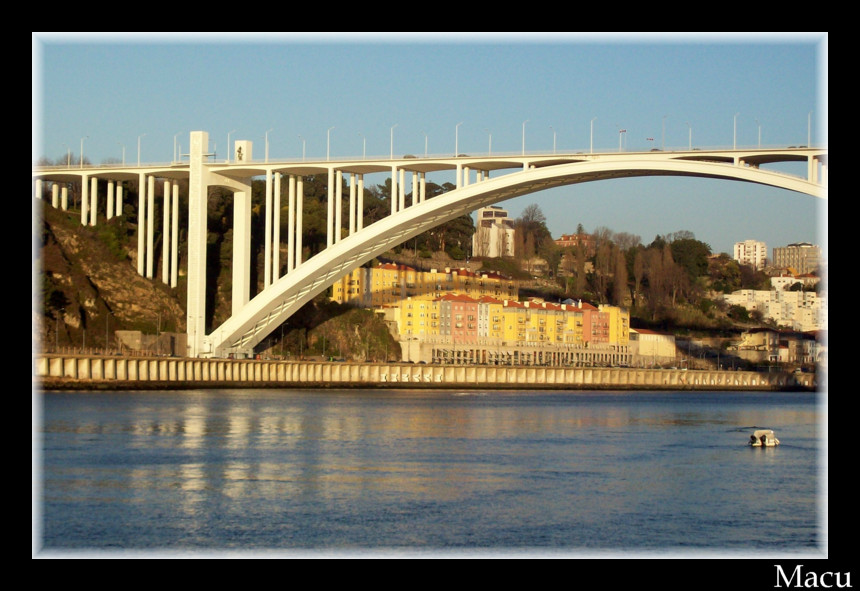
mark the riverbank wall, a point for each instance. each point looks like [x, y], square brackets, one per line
[89, 372]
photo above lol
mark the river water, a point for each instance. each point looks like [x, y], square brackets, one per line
[336, 472]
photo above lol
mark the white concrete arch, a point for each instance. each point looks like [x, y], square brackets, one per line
[268, 309]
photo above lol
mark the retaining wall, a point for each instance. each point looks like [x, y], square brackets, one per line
[55, 371]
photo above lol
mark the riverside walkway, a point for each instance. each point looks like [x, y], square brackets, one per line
[91, 372]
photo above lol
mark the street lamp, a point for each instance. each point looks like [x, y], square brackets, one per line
[663, 139]
[363, 146]
[490, 142]
[138, 148]
[392, 139]
[457, 139]
[229, 148]
[174, 144]
[735, 133]
[328, 141]
[425, 143]
[592, 134]
[267, 143]
[82, 150]
[524, 136]
[553, 139]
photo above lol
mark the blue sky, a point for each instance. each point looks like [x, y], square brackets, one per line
[111, 89]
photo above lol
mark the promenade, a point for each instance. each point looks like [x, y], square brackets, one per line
[90, 372]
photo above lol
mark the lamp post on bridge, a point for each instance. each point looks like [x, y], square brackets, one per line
[524, 136]
[457, 139]
[138, 148]
[735, 133]
[267, 144]
[229, 150]
[592, 134]
[328, 141]
[303, 146]
[82, 150]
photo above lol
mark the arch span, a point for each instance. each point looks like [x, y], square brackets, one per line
[284, 297]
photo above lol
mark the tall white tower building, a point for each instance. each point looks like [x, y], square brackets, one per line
[494, 233]
[751, 252]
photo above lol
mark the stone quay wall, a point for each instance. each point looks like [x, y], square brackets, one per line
[90, 372]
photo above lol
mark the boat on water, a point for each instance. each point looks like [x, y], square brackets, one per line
[763, 438]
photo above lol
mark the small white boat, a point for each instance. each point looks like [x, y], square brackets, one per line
[763, 438]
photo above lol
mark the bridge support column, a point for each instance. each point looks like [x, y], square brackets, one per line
[64, 197]
[422, 193]
[329, 228]
[174, 238]
[393, 189]
[94, 200]
[55, 195]
[267, 243]
[338, 206]
[352, 215]
[242, 248]
[360, 188]
[816, 171]
[197, 227]
[150, 226]
[291, 222]
[276, 229]
[165, 236]
[141, 222]
[401, 195]
[118, 200]
[109, 203]
[300, 201]
[85, 198]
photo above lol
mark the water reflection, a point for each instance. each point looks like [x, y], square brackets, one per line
[368, 468]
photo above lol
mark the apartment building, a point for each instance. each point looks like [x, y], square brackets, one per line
[388, 284]
[456, 328]
[752, 253]
[800, 310]
[801, 257]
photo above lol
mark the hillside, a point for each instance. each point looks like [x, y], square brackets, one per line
[88, 287]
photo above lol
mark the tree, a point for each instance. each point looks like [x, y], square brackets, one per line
[619, 281]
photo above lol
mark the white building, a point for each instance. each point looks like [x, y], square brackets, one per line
[800, 310]
[494, 233]
[751, 252]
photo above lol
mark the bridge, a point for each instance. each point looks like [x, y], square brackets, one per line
[349, 244]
